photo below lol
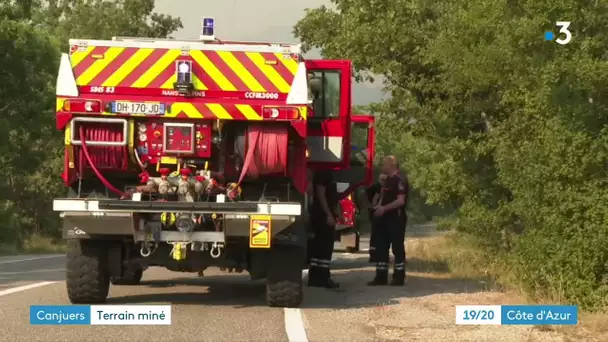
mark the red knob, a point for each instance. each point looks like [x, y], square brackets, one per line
[164, 171]
[186, 172]
[144, 177]
[200, 179]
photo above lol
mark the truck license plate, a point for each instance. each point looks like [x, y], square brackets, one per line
[146, 108]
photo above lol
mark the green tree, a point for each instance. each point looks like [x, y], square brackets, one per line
[32, 35]
[26, 122]
[103, 19]
[494, 121]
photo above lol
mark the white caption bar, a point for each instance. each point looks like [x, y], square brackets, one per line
[130, 314]
[478, 314]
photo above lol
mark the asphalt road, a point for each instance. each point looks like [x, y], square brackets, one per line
[216, 307]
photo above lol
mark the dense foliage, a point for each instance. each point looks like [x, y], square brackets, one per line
[492, 120]
[32, 36]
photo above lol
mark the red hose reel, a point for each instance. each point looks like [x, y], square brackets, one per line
[102, 144]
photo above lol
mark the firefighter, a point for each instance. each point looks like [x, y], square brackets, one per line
[391, 224]
[373, 196]
[323, 220]
[314, 86]
[315, 93]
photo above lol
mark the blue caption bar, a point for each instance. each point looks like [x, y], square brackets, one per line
[539, 314]
[100, 314]
[516, 314]
[60, 315]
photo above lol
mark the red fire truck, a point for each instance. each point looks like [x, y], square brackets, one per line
[189, 154]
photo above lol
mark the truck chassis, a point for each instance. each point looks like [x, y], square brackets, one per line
[114, 241]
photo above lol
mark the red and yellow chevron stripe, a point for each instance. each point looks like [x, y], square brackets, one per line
[155, 68]
[212, 111]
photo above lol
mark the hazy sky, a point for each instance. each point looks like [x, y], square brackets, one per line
[261, 20]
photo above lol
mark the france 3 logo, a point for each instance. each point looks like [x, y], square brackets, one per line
[564, 34]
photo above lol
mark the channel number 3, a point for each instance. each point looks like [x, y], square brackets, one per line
[563, 29]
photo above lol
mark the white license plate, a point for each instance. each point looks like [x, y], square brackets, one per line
[147, 108]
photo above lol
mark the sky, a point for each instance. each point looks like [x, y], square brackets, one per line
[258, 20]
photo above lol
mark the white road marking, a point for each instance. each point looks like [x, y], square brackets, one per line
[26, 287]
[294, 326]
[294, 323]
[34, 271]
[32, 259]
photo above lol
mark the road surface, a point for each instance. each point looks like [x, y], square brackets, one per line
[216, 307]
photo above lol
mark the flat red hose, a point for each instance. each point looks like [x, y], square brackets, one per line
[267, 147]
[266, 150]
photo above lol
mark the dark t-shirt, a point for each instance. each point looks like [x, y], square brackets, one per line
[326, 179]
[372, 191]
[394, 186]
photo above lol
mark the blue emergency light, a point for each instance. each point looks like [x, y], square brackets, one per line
[208, 29]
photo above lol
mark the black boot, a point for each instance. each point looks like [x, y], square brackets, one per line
[322, 278]
[380, 279]
[398, 278]
[313, 275]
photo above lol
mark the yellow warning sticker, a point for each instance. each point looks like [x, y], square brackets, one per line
[260, 232]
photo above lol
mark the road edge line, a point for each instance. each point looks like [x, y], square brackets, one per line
[26, 287]
[32, 259]
[294, 322]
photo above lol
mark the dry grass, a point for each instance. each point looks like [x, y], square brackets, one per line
[459, 258]
[34, 245]
[449, 253]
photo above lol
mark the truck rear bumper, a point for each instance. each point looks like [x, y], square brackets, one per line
[101, 218]
[101, 207]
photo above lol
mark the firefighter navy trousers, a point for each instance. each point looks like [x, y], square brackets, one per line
[321, 249]
[372, 240]
[389, 234]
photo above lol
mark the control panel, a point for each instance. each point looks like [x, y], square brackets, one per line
[155, 139]
[178, 138]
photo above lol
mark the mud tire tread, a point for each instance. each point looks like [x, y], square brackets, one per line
[286, 294]
[87, 277]
[284, 285]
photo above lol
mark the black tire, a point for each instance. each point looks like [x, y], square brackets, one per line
[357, 247]
[284, 286]
[130, 277]
[284, 294]
[87, 277]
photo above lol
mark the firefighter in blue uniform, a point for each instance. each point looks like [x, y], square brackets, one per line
[323, 219]
[392, 220]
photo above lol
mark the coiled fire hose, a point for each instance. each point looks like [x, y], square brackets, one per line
[87, 155]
